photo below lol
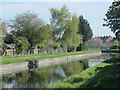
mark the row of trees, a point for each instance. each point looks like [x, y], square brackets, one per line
[66, 31]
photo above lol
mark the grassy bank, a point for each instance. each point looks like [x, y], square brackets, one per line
[23, 58]
[104, 75]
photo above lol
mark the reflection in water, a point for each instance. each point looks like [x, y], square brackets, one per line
[47, 76]
[42, 77]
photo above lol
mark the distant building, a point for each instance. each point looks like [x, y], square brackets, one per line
[10, 46]
[97, 40]
[104, 38]
[9, 49]
[109, 39]
[101, 42]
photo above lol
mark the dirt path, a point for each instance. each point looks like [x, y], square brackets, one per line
[17, 67]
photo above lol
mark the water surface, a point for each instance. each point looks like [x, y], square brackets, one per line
[44, 77]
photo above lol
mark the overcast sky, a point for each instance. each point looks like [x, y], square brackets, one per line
[93, 10]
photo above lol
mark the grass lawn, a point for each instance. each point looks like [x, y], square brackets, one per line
[23, 58]
[104, 75]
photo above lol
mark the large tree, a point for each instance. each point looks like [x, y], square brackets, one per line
[58, 21]
[29, 25]
[85, 29]
[113, 18]
[71, 38]
[3, 32]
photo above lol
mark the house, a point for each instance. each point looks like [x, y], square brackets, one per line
[10, 46]
[9, 49]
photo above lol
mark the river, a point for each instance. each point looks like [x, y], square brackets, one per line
[44, 77]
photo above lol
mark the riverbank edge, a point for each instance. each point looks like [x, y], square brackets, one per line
[103, 75]
[17, 67]
[45, 56]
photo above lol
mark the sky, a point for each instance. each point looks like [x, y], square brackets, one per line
[92, 10]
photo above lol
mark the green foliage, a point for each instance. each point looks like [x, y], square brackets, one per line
[113, 17]
[85, 29]
[28, 25]
[82, 47]
[99, 76]
[71, 38]
[3, 32]
[58, 21]
[116, 42]
[9, 39]
[56, 46]
[21, 45]
[46, 33]
[22, 77]
[72, 68]
[63, 29]
[117, 34]
[41, 45]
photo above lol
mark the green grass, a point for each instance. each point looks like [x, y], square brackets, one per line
[23, 58]
[104, 75]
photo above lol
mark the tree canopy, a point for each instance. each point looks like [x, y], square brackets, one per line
[65, 32]
[71, 38]
[58, 21]
[113, 17]
[85, 29]
[3, 32]
[22, 45]
[28, 25]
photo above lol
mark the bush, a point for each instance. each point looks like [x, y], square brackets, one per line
[81, 47]
[56, 46]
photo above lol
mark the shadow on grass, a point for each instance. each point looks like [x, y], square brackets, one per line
[113, 60]
[105, 77]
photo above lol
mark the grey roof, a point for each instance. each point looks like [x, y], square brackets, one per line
[10, 45]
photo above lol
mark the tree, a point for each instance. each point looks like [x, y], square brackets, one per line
[58, 21]
[48, 40]
[22, 45]
[3, 32]
[113, 17]
[56, 47]
[46, 32]
[116, 44]
[85, 29]
[41, 47]
[9, 39]
[71, 38]
[28, 25]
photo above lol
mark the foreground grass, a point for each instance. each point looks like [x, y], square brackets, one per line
[23, 58]
[104, 75]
